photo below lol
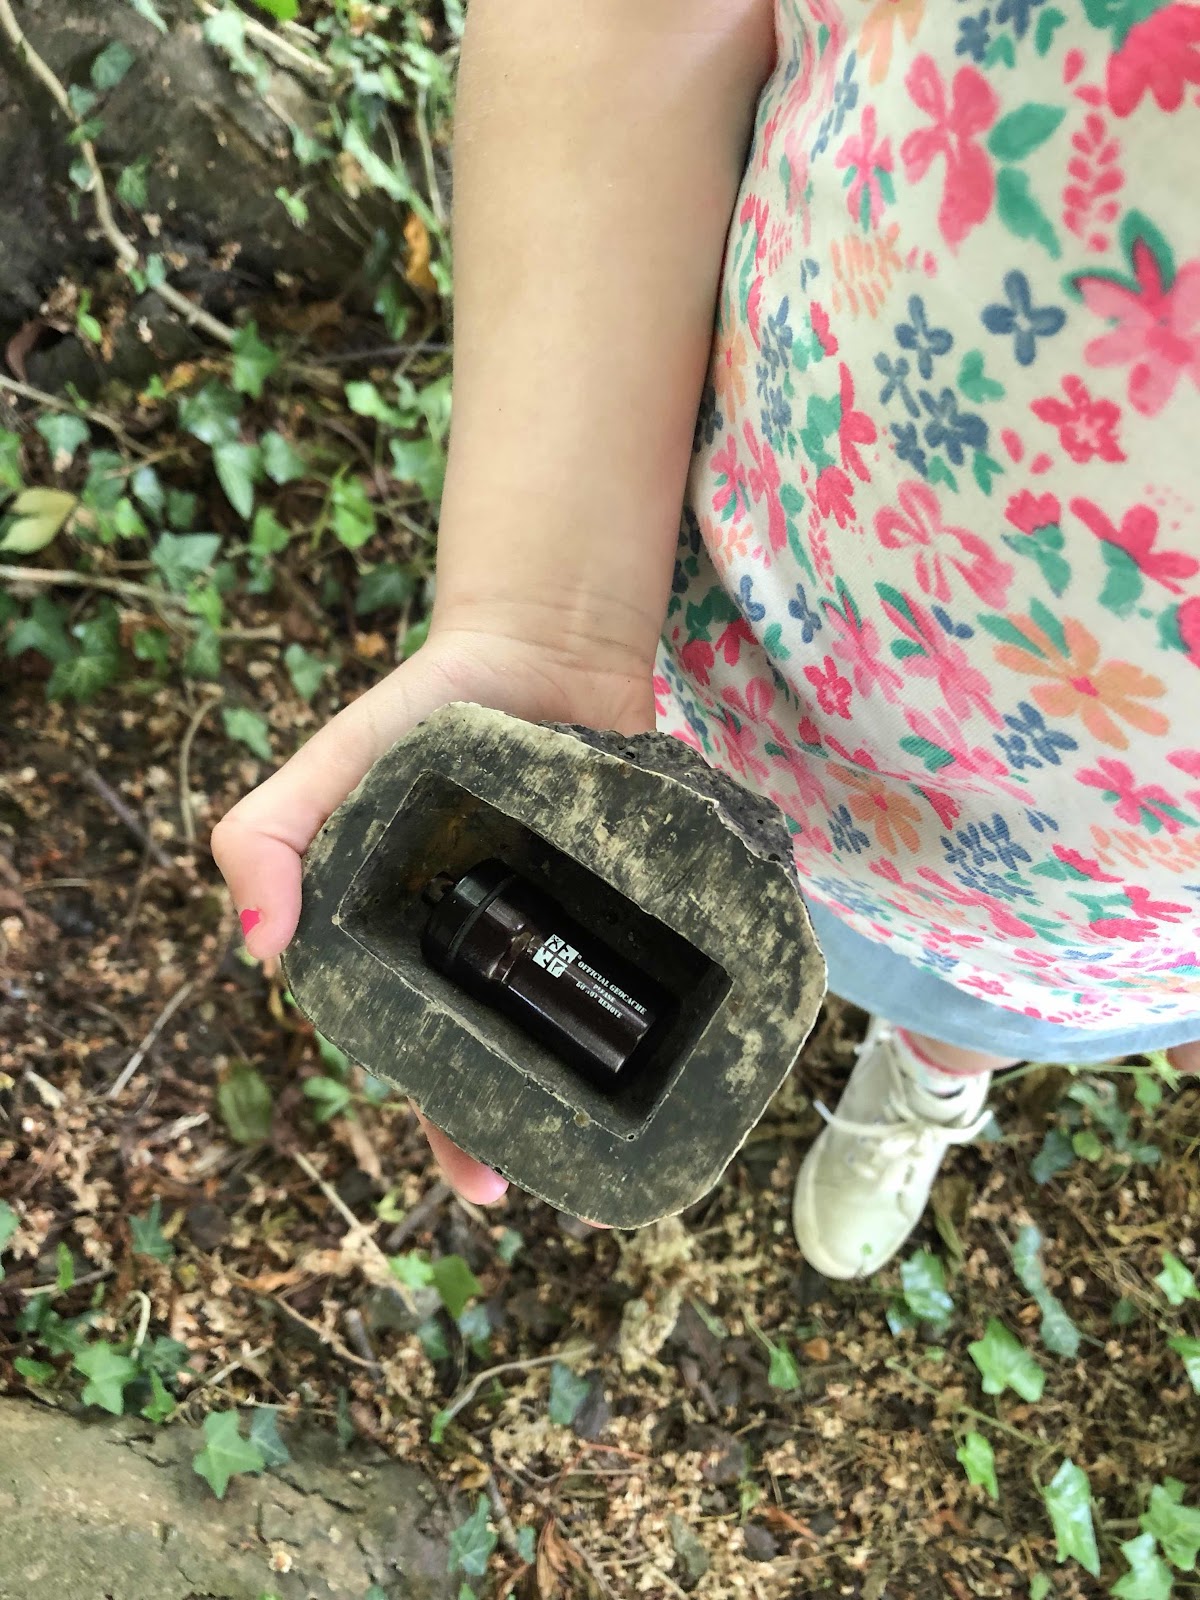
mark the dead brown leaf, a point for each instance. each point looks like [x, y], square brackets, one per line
[416, 268]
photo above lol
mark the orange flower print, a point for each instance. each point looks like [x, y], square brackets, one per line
[877, 36]
[1076, 682]
[889, 811]
[729, 377]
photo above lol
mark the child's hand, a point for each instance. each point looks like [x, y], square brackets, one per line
[258, 845]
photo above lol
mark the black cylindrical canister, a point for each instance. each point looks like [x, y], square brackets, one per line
[506, 942]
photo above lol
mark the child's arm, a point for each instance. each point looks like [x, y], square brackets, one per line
[599, 146]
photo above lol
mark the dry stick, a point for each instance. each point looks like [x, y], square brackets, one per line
[126, 251]
[420, 1214]
[361, 1340]
[123, 814]
[276, 45]
[480, 1378]
[158, 599]
[139, 1055]
[356, 1227]
[185, 752]
[504, 1522]
[52, 402]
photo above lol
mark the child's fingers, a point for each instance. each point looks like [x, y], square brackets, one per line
[470, 1178]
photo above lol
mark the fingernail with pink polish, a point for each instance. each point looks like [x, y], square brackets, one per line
[250, 920]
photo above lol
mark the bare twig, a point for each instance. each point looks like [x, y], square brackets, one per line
[181, 994]
[358, 1230]
[54, 402]
[431, 178]
[171, 607]
[124, 248]
[121, 811]
[504, 1522]
[274, 44]
[185, 753]
[468, 1394]
[361, 1340]
[432, 1200]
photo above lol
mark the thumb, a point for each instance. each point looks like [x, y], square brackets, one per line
[259, 844]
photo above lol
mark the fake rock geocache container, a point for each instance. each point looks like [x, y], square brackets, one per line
[583, 955]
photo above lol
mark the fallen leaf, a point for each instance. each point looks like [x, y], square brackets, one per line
[416, 268]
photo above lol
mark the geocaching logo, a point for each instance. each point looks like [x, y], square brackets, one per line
[556, 955]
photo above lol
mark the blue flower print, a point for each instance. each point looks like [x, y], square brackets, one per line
[845, 98]
[1019, 13]
[709, 421]
[956, 630]
[950, 429]
[751, 609]
[1041, 821]
[776, 417]
[1030, 733]
[991, 883]
[1021, 319]
[845, 835]
[1007, 849]
[895, 375]
[974, 35]
[968, 847]
[925, 342]
[908, 447]
[810, 622]
[938, 961]
[775, 350]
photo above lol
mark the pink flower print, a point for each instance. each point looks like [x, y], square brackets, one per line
[1156, 330]
[1085, 864]
[1161, 54]
[731, 639]
[969, 185]
[856, 643]
[919, 523]
[757, 701]
[763, 481]
[939, 656]
[972, 767]
[822, 331]
[833, 691]
[1136, 536]
[802, 770]
[1137, 804]
[835, 496]
[1090, 201]
[696, 658]
[729, 495]
[740, 745]
[854, 429]
[866, 160]
[1028, 512]
[1002, 919]
[1086, 427]
[1187, 620]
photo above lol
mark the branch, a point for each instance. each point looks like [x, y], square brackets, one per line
[159, 600]
[52, 402]
[123, 246]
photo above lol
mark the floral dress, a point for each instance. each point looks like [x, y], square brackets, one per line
[937, 590]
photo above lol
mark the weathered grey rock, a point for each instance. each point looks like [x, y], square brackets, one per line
[85, 1514]
[676, 867]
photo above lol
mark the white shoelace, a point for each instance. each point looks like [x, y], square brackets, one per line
[910, 1135]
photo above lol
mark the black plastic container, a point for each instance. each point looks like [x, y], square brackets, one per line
[515, 948]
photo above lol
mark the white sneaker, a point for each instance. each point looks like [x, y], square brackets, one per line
[866, 1180]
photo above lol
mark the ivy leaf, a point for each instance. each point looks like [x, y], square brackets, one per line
[226, 30]
[455, 1282]
[352, 512]
[211, 415]
[35, 1372]
[161, 1406]
[225, 1452]
[473, 1542]
[1004, 1363]
[978, 1461]
[1056, 1155]
[508, 1246]
[1176, 1281]
[95, 664]
[180, 557]
[283, 462]
[10, 460]
[1149, 1577]
[42, 630]
[568, 1391]
[923, 1279]
[111, 65]
[146, 8]
[246, 1105]
[282, 10]
[387, 586]
[40, 514]
[165, 1356]
[9, 1223]
[268, 535]
[64, 1278]
[1059, 1333]
[782, 1371]
[1175, 1526]
[108, 1374]
[305, 670]
[433, 1340]
[412, 1269]
[1068, 1498]
[253, 361]
[148, 1237]
[526, 1546]
[239, 467]
[376, 171]
[131, 185]
[1188, 1351]
[63, 433]
[248, 728]
[365, 400]
[264, 1432]
[329, 1097]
